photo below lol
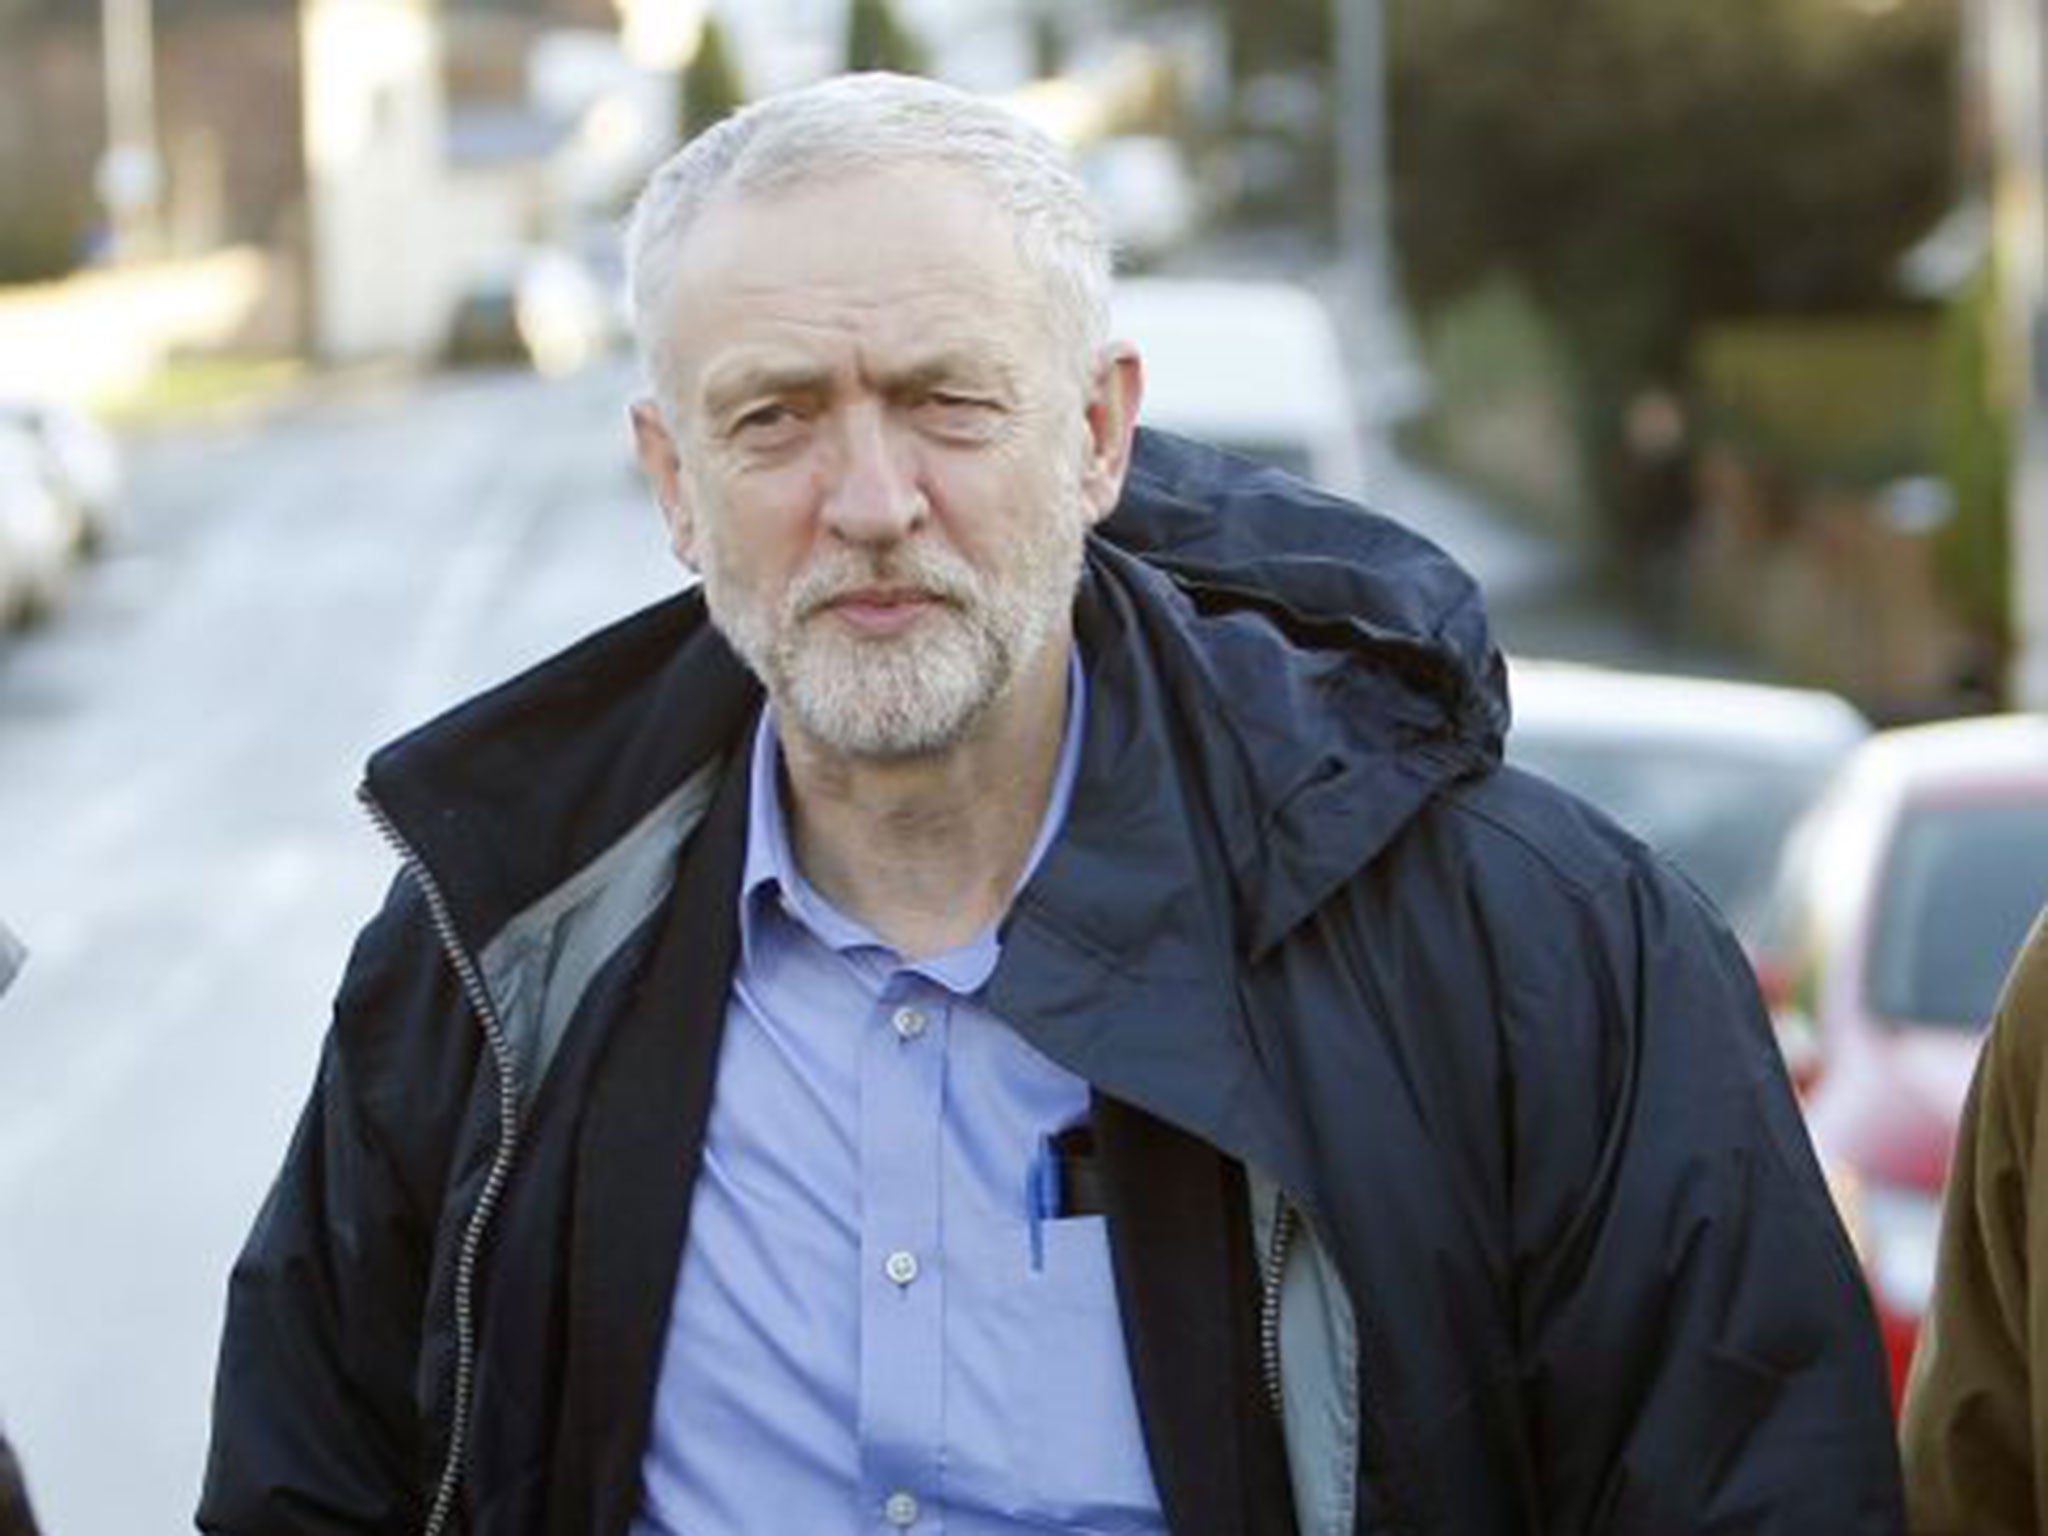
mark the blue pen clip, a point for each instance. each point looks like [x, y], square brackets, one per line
[1043, 1197]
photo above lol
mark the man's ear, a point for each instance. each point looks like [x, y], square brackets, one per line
[1111, 414]
[655, 447]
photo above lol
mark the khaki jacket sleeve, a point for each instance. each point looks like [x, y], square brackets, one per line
[1975, 1423]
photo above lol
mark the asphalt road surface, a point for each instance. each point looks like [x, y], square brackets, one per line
[181, 849]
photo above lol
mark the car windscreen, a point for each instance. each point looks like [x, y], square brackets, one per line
[1960, 889]
[1720, 817]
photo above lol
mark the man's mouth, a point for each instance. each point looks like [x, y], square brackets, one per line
[880, 612]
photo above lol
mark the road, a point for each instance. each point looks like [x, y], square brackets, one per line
[182, 851]
[180, 847]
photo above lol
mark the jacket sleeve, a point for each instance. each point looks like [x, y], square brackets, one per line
[316, 1426]
[16, 1516]
[1971, 1428]
[1700, 1349]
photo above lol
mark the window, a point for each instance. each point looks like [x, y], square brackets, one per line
[1959, 892]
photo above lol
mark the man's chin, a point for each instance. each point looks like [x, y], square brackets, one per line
[871, 719]
[883, 736]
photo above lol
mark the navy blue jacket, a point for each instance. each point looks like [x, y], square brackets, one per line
[1509, 1068]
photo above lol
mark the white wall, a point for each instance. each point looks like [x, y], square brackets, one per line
[373, 131]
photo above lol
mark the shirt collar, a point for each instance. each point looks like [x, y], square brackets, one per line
[772, 888]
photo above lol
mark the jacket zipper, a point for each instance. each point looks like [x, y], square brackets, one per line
[1286, 1221]
[468, 1254]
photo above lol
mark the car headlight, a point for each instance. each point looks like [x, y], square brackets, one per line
[1897, 1233]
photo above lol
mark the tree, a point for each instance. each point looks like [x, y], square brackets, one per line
[711, 86]
[1644, 166]
[1260, 36]
[1279, 118]
[876, 39]
[1974, 547]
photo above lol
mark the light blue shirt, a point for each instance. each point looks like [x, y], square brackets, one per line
[866, 1336]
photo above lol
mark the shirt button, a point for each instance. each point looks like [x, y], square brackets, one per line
[910, 1022]
[901, 1266]
[900, 1510]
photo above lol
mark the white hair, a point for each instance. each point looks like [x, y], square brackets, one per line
[861, 123]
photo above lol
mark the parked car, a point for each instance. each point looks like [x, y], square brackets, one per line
[542, 307]
[1902, 898]
[1254, 367]
[38, 531]
[1711, 773]
[81, 460]
[1143, 185]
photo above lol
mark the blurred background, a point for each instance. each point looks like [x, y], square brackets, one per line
[1709, 336]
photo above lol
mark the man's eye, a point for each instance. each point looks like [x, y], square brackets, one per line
[764, 419]
[959, 413]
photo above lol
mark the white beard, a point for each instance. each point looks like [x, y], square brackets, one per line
[918, 693]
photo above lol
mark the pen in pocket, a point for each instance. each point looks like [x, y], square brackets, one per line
[1042, 1198]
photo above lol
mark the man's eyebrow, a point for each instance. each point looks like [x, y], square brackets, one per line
[730, 386]
[741, 381]
[952, 366]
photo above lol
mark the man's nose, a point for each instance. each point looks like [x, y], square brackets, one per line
[874, 496]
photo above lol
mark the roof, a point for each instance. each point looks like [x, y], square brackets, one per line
[1239, 359]
[1566, 698]
[1979, 749]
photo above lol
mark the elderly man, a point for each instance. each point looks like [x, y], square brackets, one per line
[1025, 1002]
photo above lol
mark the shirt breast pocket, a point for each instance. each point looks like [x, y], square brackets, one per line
[1075, 1434]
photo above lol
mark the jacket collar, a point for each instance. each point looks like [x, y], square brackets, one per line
[510, 794]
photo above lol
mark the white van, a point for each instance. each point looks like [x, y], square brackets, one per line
[1254, 367]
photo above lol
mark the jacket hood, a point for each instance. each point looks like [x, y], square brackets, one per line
[1316, 672]
[1307, 671]
[1332, 574]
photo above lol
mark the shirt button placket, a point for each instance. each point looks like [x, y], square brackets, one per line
[903, 1291]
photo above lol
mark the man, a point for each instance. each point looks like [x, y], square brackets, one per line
[1973, 1425]
[1101, 1047]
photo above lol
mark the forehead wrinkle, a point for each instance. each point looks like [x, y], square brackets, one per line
[730, 381]
[922, 295]
[758, 332]
[732, 266]
[946, 362]
[918, 364]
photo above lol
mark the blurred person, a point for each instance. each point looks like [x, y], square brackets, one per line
[1974, 1423]
[994, 1016]
[1655, 486]
[17, 1517]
